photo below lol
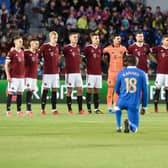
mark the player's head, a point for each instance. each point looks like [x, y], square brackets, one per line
[34, 43]
[116, 39]
[18, 41]
[95, 38]
[131, 60]
[139, 36]
[165, 40]
[53, 36]
[73, 37]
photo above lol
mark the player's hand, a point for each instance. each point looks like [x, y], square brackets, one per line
[8, 78]
[143, 111]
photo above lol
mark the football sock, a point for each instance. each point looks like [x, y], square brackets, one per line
[54, 99]
[44, 99]
[96, 100]
[69, 102]
[8, 102]
[156, 97]
[19, 102]
[118, 118]
[133, 127]
[166, 98]
[88, 101]
[28, 100]
[79, 100]
[115, 98]
[109, 96]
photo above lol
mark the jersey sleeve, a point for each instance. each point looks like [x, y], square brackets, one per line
[64, 51]
[144, 91]
[85, 52]
[9, 56]
[41, 51]
[118, 84]
[130, 49]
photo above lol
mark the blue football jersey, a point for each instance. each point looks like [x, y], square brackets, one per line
[130, 83]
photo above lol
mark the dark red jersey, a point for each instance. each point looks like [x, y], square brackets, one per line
[94, 56]
[16, 66]
[50, 55]
[141, 53]
[31, 60]
[162, 59]
[72, 58]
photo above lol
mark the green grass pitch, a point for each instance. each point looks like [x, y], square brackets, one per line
[89, 141]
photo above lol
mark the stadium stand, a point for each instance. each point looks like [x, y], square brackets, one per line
[37, 17]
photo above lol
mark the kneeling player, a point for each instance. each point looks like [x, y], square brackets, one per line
[93, 56]
[31, 60]
[130, 82]
[14, 68]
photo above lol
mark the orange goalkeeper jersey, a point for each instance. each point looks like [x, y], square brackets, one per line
[116, 54]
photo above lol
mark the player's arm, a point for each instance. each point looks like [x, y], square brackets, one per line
[6, 66]
[118, 84]
[152, 58]
[144, 95]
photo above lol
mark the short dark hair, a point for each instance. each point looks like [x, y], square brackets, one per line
[115, 35]
[139, 32]
[94, 34]
[73, 31]
[131, 60]
[165, 36]
[16, 37]
[33, 39]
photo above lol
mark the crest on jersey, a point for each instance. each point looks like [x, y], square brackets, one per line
[145, 49]
[33, 59]
[19, 59]
[92, 51]
[163, 55]
[73, 54]
[94, 55]
[139, 53]
[49, 49]
[78, 50]
[52, 54]
[121, 52]
[31, 55]
[99, 51]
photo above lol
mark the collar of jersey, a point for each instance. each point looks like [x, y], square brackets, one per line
[131, 66]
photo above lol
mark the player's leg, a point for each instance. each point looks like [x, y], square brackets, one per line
[158, 83]
[20, 90]
[166, 91]
[46, 84]
[89, 82]
[133, 119]
[111, 83]
[79, 88]
[29, 85]
[97, 86]
[69, 79]
[69, 100]
[11, 89]
[88, 99]
[54, 85]
[118, 114]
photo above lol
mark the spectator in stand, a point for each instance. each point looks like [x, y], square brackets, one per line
[3, 15]
[82, 22]
[72, 21]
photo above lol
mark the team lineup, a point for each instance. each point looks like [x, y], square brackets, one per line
[127, 75]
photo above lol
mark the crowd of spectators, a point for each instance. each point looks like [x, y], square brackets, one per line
[37, 17]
